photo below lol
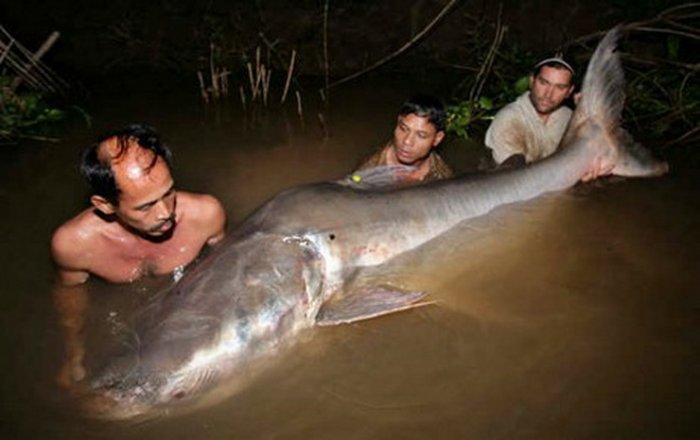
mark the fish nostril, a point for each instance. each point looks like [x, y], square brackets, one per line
[179, 395]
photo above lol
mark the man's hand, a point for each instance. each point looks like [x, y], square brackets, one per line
[576, 97]
[597, 170]
[514, 161]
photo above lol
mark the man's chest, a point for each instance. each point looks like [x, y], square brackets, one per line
[125, 262]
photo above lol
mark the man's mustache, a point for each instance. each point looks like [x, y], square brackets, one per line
[159, 227]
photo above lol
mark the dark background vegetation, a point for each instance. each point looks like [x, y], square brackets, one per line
[126, 44]
[173, 35]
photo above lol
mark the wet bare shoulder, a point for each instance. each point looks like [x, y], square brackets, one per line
[205, 212]
[71, 240]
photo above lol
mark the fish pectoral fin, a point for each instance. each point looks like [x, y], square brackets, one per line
[368, 303]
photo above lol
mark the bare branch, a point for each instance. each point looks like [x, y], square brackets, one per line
[402, 49]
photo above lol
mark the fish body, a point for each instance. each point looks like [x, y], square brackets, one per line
[283, 270]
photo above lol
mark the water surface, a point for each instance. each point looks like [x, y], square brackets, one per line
[572, 316]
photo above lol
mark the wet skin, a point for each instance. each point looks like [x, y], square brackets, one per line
[152, 230]
[414, 137]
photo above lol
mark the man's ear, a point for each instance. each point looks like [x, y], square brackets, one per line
[532, 81]
[439, 136]
[102, 204]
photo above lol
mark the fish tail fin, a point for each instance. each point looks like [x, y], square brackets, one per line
[600, 107]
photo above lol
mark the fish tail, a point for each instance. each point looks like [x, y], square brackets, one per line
[601, 104]
[603, 90]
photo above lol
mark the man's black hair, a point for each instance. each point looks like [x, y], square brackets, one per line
[96, 168]
[426, 106]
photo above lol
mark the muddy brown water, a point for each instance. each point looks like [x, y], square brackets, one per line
[571, 316]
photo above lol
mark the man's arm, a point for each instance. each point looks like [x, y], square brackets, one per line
[506, 137]
[70, 298]
[71, 305]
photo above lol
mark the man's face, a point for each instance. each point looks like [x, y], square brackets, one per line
[147, 197]
[414, 137]
[550, 88]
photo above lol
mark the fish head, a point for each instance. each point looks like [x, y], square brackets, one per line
[140, 395]
[204, 334]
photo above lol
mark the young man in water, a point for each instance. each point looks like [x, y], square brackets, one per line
[137, 225]
[530, 128]
[420, 127]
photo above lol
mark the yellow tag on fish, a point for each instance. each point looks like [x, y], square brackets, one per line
[356, 178]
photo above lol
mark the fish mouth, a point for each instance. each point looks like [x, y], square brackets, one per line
[139, 399]
[108, 406]
[101, 405]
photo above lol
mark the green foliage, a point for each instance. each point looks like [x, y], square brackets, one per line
[463, 115]
[25, 115]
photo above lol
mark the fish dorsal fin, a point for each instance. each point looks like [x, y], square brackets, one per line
[368, 303]
[384, 176]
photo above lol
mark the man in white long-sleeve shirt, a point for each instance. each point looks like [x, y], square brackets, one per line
[530, 128]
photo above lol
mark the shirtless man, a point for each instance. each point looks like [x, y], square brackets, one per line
[137, 225]
[530, 128]
[420, 127]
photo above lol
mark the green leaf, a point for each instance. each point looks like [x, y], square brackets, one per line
[522, 84]
[485, 103]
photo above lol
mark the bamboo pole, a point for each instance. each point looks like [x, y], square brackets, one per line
[48, 43]
[6, 51]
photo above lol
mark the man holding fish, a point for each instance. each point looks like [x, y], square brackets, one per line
[138, 225]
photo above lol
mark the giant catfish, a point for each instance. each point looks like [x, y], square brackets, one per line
[283, 269]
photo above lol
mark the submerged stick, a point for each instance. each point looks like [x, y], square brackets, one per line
[299, 109]
[212, 72]
[266, 85]
[223, 78]
[241, 91]
[202, 87]
[289, 76]
[253, 89]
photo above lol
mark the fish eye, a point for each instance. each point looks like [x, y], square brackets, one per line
[179, 394]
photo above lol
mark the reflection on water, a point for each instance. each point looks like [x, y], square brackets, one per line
[574, 316]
